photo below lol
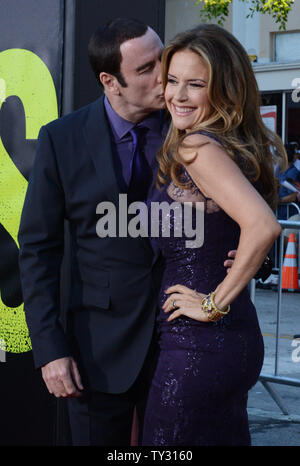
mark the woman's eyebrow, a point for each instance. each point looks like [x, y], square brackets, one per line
[189, 80]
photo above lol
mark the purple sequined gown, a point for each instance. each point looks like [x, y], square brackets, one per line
[199, 391]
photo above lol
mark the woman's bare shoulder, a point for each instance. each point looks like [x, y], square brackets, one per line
[196, 143]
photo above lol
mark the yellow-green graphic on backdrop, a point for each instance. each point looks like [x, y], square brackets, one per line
[25, 75]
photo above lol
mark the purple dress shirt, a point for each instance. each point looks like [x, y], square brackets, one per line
[123, 145]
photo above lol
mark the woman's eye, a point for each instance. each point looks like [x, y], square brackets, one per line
[197, 85]
[171, 81]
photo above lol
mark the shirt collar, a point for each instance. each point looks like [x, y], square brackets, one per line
[121, 127]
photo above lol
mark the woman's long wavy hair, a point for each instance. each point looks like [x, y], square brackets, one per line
[235, 117]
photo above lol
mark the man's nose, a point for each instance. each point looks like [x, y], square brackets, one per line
[158, 71]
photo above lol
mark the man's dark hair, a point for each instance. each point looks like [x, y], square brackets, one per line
[104, 45]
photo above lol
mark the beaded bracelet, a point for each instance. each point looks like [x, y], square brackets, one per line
[211, 310]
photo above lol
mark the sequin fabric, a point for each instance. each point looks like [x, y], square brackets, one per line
[199, 391]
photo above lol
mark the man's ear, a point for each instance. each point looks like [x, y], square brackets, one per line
[110, 83]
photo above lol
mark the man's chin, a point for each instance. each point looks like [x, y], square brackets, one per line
[160, 105]
[155, 107]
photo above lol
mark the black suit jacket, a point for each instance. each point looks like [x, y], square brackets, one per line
[113, 295]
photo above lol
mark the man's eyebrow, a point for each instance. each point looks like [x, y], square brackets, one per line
[145, 65]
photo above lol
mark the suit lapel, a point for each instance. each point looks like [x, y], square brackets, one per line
[97, 138]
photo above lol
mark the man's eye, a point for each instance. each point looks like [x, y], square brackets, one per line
[147, 70]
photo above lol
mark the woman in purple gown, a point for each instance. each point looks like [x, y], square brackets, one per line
[217, 158]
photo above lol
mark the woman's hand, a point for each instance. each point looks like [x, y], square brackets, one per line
[184, 301]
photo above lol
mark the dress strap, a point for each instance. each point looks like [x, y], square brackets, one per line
[215, 138]
[194, 185]
[206, 133]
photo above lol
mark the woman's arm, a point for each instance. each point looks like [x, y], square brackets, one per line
[219, 178]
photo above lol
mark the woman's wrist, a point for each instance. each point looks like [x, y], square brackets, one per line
[221, 298]
[211, 310]
[220, 303]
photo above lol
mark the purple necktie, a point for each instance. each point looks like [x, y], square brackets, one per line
[141, 173]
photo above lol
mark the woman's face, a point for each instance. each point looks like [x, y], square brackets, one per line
[186, 90]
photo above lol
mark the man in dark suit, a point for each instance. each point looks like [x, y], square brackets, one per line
[83, 159]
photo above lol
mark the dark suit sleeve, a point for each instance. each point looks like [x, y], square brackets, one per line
[41, 240]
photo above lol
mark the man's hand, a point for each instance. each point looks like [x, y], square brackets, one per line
[228, 263]
[264, 271]
[62, 378]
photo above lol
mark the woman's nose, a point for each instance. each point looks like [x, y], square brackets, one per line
[180, 93]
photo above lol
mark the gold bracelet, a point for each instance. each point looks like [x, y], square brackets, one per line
[211, 310]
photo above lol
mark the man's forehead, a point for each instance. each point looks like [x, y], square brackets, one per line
[139, 48]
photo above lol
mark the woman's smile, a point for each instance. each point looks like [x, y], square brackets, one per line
[183, 111]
